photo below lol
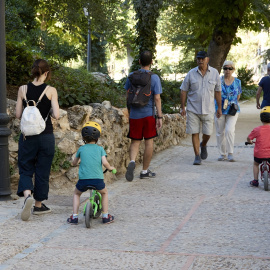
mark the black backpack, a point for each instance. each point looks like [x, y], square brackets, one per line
[139, 92]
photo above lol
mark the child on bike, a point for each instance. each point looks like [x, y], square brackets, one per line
[92, 157]
[262, 144]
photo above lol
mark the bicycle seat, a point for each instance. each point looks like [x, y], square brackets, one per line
[91, 187]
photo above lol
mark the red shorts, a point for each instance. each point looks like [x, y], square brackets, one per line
[142, 128]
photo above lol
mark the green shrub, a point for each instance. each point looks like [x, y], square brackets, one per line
[79, 87]
[170, 96]
[248, 92]
[59, 161]
[19, 61]
[245, 75]
[248, 88]
[11, 170]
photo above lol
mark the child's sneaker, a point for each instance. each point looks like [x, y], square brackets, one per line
[147, 175]
[26, 212]
[108, 220]
[41, 210]
[73, 221]
[254, 183]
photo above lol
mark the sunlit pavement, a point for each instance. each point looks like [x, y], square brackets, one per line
[188, 217]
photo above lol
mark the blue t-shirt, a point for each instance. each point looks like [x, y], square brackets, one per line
[229, 92]
[265, 84]
[138, 113]
[91, 163]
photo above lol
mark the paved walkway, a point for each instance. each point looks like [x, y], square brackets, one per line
[189, 217]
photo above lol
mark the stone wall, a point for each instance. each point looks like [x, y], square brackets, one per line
[114, 124]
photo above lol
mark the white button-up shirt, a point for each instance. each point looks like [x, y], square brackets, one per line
[201, 90]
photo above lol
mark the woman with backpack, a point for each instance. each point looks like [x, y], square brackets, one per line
[36, 151]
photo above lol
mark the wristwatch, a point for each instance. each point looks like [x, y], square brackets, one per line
[159, 117]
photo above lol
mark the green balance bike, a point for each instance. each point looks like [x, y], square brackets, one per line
[93, 207]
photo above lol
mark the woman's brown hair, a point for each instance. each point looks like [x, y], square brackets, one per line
[39, 67]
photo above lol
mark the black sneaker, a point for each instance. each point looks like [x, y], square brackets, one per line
[108, 220]
[26, 212]
[254, 183]
[73, 221]
[41, 210]
[149, 174]
[204, 153]
[130, 171]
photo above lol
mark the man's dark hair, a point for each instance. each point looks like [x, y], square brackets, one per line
[146, 58]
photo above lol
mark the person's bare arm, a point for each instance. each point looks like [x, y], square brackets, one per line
[258, 95]
[218, 100]
[19, 104]
[75, 161]
[238, 97]
[183, 98]
[55, 106]
[106, 164]
[157, 100]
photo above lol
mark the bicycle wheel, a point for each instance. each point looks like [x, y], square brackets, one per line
[88, 215]
[98, 202]
[265, 180]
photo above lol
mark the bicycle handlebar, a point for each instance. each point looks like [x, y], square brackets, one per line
[246, 143]
[113, 171]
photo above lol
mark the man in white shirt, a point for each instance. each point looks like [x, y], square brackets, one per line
[200, 88]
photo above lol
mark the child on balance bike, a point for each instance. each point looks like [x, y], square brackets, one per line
[92, 157]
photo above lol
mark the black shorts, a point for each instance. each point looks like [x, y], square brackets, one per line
[260, 160]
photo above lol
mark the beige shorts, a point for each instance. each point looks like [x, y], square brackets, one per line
[196, 121]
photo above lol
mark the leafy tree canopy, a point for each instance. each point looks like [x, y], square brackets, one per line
[212, 24]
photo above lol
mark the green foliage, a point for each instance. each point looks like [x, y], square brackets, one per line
[17, 137]
[79, 87]
[54, 47]
[170, 97]
[147, 13]
[19, 18]
[248, 92]
[11, 170]
[211, 24]
[245, 75]
[248, 88]
[59, 161]
[18, 63]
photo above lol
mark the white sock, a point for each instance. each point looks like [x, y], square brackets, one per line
[105, 215]
[132, 161]
[144, 171]
[75, 216]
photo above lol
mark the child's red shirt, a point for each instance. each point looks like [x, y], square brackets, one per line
[262, 145]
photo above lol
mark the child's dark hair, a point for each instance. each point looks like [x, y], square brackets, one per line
[39, 67]
[87, 139]
[146, 58]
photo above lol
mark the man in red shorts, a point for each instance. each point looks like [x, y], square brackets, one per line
[143, 124]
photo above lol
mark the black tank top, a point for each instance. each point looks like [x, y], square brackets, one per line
[44, 106]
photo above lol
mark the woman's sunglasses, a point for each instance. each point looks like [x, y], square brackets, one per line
[226, 68]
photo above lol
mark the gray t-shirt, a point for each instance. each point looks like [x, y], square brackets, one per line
[201, 90]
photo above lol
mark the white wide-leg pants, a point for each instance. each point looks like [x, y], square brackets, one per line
[225, 132]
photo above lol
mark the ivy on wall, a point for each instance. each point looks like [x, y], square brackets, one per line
[147, 13]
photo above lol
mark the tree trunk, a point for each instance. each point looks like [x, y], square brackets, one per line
[221, 42]
[219, 48]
